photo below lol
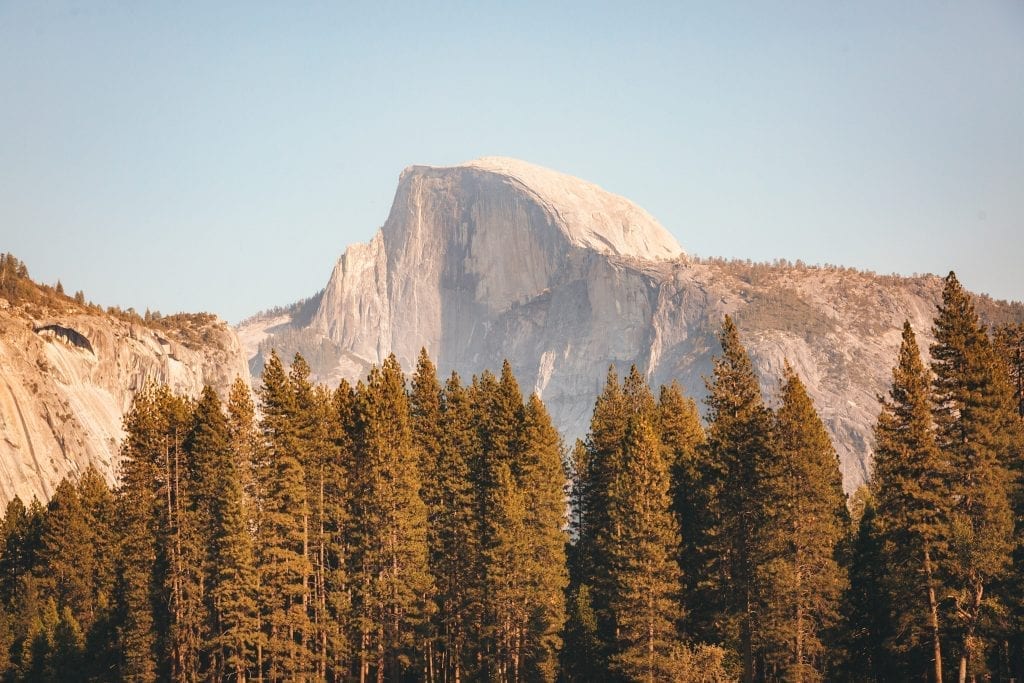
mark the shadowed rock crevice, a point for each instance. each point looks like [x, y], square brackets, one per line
[71, 336]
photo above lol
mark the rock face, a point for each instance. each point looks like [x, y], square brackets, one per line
[68, 374]
[498, 259]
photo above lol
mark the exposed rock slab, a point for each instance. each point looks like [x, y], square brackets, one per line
[500, 259]
[68, 376]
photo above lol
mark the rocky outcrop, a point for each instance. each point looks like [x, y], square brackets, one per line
[500, 259]
[69, 373]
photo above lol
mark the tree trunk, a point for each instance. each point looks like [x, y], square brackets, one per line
[320, 586]
[933, 612]
[363, 663]
[745, 643]
[972, 621]
[799, 654]
[380, 655]
[650, 652]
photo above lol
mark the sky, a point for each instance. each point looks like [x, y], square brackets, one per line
[197, 156]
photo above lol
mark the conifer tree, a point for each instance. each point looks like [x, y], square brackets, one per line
[506, 587]
[581, 647]
[739, 446]
[65, 556]
[66, 660]
[337, 591]
[32, 614]
[867, 625]
[455, 558]
[251, 468]
[911, 478]
[580, 656]
[208, 446]
[151, 605]
[1009, 345]
[543, 480]
[284, 565]
[392, 580]
[638, 397]
[20, 536]
[646, 576]
[315, 451]
[499, 404]
[99, 563]
[975, 419]
[74, 567]
[798, 576]
[498, 415]
[425, 416]
[578, 467]
[604, 463]
[230, 596]
[682, 439]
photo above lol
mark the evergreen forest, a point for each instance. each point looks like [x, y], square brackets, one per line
[423, 528]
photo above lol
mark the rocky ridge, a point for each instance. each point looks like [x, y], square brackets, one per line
[68, 374]
[497, 259]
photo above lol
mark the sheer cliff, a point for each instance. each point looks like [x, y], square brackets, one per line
[68, 373]
[497, 258]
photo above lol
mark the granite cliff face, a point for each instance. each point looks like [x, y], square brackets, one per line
[497, 259]
[68, 373]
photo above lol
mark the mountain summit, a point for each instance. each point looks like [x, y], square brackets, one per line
[498, 258]
[587, 215]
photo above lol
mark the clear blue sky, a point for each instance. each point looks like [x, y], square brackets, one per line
[220, 156]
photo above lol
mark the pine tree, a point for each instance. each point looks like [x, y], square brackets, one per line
[209, 455]
[151, 610]
[1009, 345]
[313, 408]
[20, 535]
[498, 415]
[499, 412]
[580, 656]
[975, 418]
[867, 625]
[911, 478]
[425, 414]
[283, 560]
[392, 580]
[242, 589]
[180, 561]
[455, 559]
[798, 576]
[543, 480]
[738, 446]
[24, 596]
[643, 560]
[506, 589]
[223, 531]
[98, 618]
[66, 661]
[337, 592]
[74, 563]
[427, 434]
[638, 397]
[682, 439]
[604, 465]
[65, 560]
